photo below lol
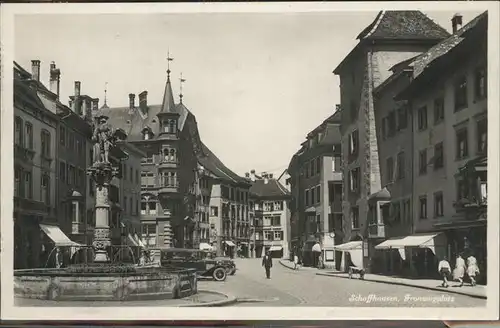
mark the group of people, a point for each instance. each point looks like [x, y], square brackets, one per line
[461, 268]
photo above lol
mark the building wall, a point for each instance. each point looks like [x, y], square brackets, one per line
[358, 78]
[215, 218]
[389, 147]
[284, 216]
[30, 209]
[71, 159]
[130, 187]
[443, 180]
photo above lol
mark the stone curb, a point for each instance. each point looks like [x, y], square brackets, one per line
[227, 301]
[451, 291]
[285, 265]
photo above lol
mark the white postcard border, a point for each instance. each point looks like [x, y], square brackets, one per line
[10, 312]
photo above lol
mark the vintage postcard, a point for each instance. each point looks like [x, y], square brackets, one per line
[250, 161]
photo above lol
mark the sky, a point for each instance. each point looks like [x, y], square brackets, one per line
[256, 82]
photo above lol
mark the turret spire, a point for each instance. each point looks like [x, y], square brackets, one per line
[168, 104]
[105, 105]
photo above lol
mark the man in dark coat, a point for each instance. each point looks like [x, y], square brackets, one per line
[267, 263]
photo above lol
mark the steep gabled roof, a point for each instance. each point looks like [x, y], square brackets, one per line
[403, 25]
[423, 60]
[427, 60]
[271, 189]
[214, 165]
[397, 25]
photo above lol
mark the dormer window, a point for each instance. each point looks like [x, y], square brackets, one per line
[147, 134]
[172, 126]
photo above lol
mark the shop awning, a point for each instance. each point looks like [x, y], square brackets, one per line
[57, 236]
[420, 240]
[311, 209]
[205, 246]
[275, 248]
[131, 241]
[139, 241]
[229, 243]
[352, 245]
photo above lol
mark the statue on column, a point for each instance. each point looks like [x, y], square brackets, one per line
[103, 137]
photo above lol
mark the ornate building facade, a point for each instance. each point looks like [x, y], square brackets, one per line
[168, 136]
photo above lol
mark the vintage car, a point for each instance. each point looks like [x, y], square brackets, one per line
[194, 259]
[226, 261]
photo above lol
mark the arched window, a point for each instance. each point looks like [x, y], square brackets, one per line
[172, 155]
[165, 155]
[146, 135]
[166, 126]
[45, 192]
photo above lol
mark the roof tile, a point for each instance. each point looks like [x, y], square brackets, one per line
[273, 188]
[403, 24]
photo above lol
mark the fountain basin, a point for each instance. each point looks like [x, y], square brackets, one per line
[95, 283]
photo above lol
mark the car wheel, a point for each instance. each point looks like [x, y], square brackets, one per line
[219, 274]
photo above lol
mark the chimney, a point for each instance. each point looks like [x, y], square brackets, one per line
[270, 175]
[131, 101]
[143, 101]
[266, 177]
[95, 104]
[456, 22]
[78, 84]
[76, 100]
[247, 175]
[252, 175]
[337, 108]
[55, 78]
[35, 69]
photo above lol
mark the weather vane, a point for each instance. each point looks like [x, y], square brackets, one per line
[105, 93]
[169, 59]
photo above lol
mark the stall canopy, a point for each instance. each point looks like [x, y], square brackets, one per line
[420, 240]
[57, 236]
[205, 246]
[230, 243]
[355, 250]
[139, 241]
[352, 245]
[275, 248]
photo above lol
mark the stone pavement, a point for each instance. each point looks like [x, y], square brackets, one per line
[431, 284]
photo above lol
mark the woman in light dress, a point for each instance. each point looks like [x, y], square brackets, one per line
[472, 269]
[459, 272]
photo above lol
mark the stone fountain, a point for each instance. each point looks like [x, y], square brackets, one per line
[102, 279]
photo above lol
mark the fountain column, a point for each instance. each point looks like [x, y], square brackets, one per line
[102, 172]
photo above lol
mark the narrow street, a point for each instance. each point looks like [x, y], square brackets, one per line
[291, 288]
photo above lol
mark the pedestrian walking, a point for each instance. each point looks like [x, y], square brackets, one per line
[267, 263]
[444, 270]
[459, 272]
[472, 269]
